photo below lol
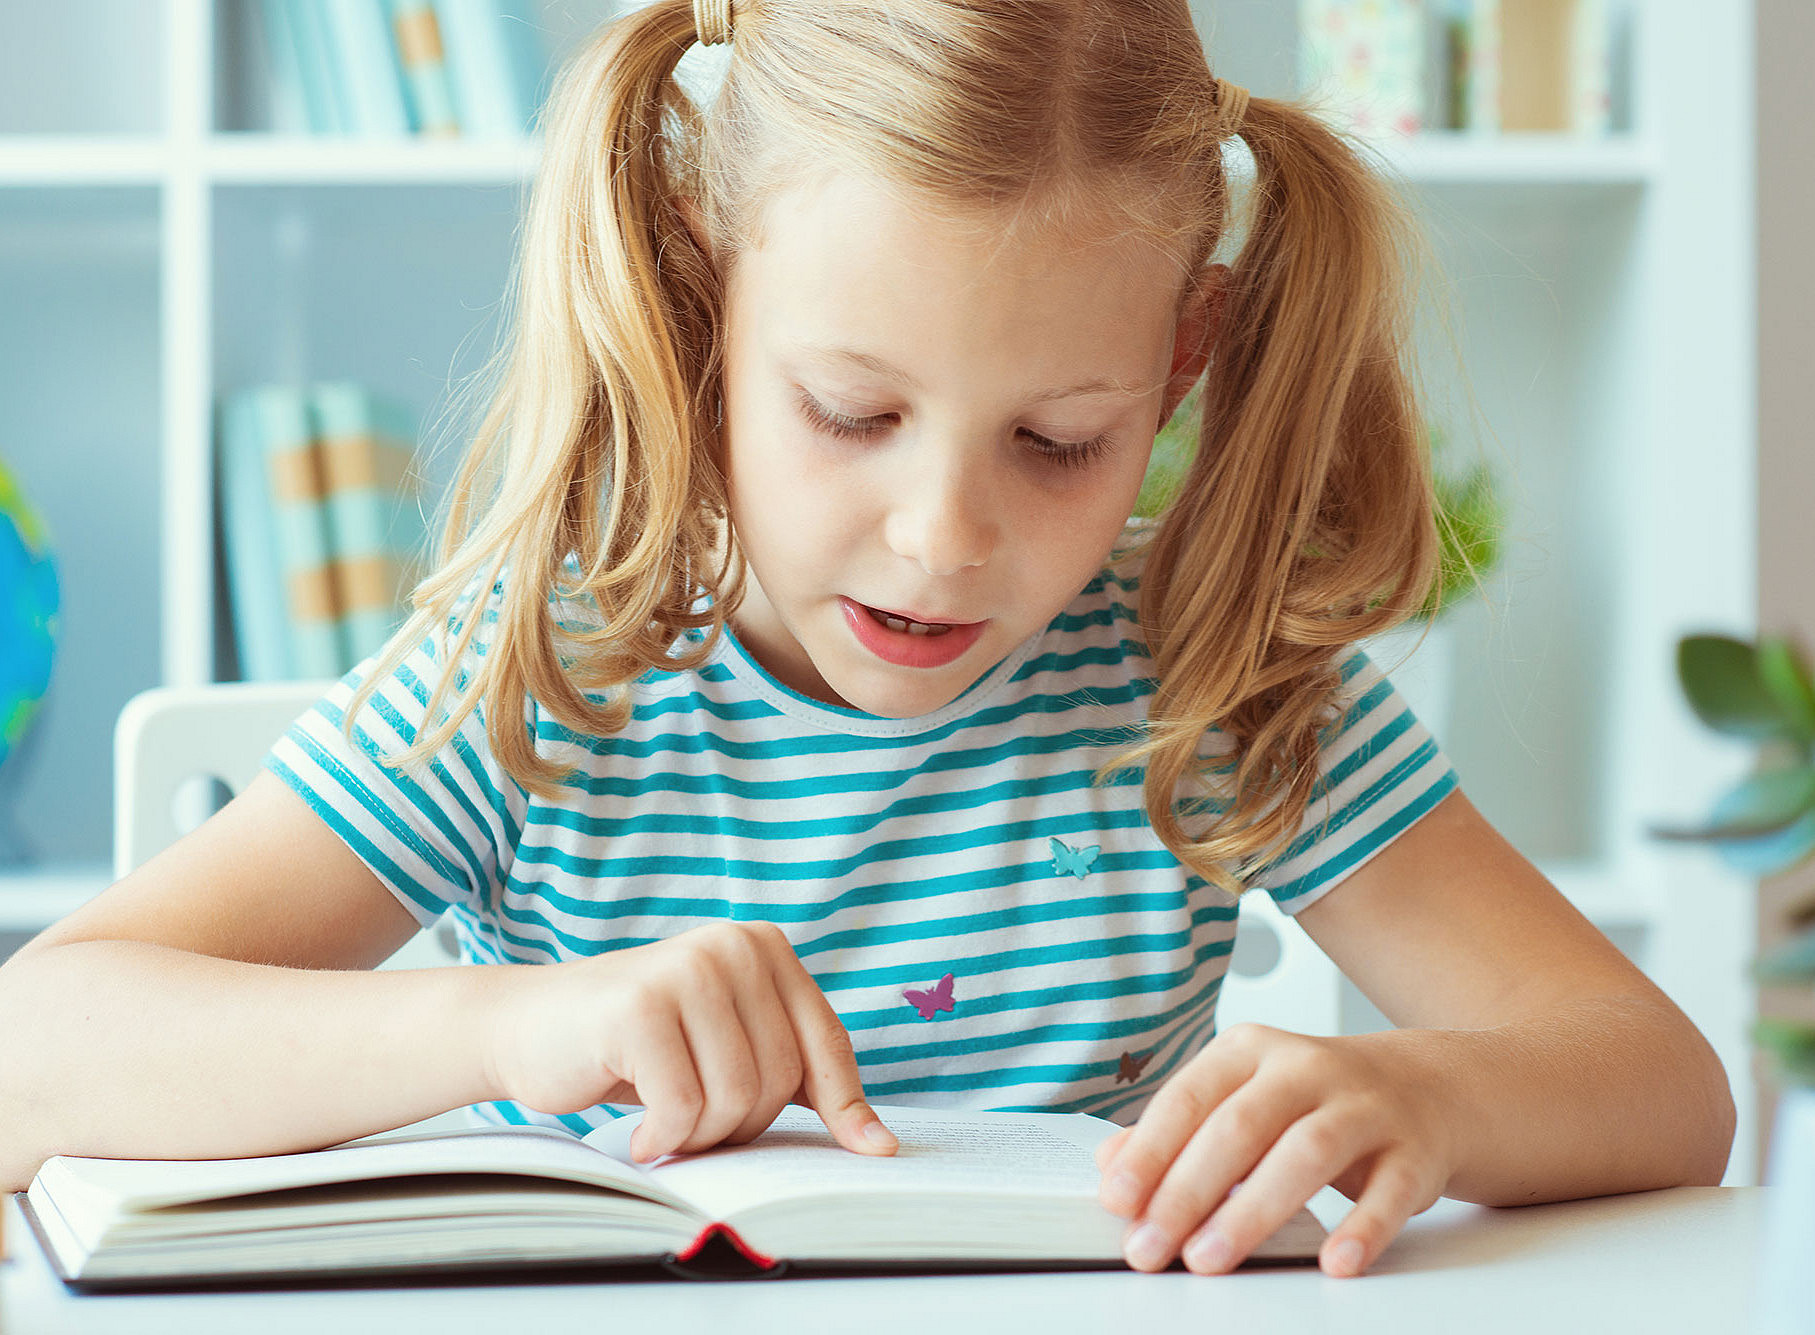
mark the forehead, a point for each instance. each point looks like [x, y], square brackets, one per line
[842, 257]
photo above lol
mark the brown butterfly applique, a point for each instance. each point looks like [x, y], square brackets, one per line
[1131, 1065]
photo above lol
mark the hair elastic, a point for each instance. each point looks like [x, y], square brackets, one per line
[1231, 100]
[712, 21]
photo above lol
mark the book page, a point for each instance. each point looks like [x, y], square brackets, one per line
[944, 1152]
[144, 1184]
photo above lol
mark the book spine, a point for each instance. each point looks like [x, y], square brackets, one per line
[255, 584]
[372, 509]
[419, 52]
[293, 472]
[718, 1252]
[328, 112]
[1537, 67]
[1478, 61]
[1591, 69]
[289, 110]
[496, 58]
[360, 41]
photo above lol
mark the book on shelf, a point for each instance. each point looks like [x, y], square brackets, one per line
[966, 1190]
[261, 631]
[321, 524]
[321, 72]
[420, 54]
[374, 509]
[498, 63]
[1396, 67]
[275, 537]
[365, 59]
[399, 67]
[291, 109]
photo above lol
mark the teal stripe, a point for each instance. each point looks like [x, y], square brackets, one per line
[621, 747]
[1357, 806]
[866, 781]
[1061, 664]
[1383, 834]
[458, 838]
[1097, 989]
[954, 1081]
[1198, 1034]
[1017, 918]
[709, 909]
[384, 815]
[938, 1046]
[698, 702]
[370, 853]
[411, 681]
[1021, 917]
[914, 973]
[1110, 613]
[837, 868]
[711, 824]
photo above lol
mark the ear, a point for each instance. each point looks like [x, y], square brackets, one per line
[690, 215]
[1200, 321]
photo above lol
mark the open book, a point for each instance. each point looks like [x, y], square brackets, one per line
[965, 1190]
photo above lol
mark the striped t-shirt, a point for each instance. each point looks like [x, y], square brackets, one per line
[994, 930]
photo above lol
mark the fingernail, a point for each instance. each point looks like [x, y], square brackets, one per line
[1148, 1247]
[1124, 1189]
[880, 1136]
[1347, 1256]
[1209, 1251]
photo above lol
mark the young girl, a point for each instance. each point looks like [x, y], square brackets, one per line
[795, 714]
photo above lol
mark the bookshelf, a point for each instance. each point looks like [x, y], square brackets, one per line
[162, 246]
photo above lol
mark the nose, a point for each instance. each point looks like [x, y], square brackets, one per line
[942, 515]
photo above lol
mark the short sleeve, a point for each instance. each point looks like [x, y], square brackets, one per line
[439, 835]
[1379, 770]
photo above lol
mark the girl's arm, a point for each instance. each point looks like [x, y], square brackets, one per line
[1574, 1074]
[1534, 1063]
[219, 1001]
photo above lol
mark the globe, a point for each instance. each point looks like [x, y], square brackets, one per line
[28, 614]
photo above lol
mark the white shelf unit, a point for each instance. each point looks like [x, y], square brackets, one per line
[161, 247]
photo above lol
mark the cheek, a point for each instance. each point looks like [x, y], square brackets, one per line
[782, 496]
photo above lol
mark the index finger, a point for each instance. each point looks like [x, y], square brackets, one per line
[829, 1079]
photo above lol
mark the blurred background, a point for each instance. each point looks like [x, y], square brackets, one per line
[252, 253]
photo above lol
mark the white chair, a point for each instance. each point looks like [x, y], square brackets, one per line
[1299, 989]
[171, 736]
[171, 740]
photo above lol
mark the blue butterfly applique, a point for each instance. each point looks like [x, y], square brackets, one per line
[1069, 861]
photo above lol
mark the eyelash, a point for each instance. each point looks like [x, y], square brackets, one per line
[856, 428]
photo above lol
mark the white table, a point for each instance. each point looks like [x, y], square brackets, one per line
[1651, 1263]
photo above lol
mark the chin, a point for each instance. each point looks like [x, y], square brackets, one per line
[894, 693]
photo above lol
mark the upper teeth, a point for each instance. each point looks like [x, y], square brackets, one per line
[911, 627]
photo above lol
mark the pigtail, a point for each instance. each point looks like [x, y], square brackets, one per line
[595, 477]
[1306, 519]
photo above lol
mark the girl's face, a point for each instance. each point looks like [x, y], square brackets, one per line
[926, 426]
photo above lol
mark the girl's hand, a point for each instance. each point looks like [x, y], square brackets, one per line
[714, 1031]
[1282, 1114]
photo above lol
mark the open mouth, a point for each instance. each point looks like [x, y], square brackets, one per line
[908, 641]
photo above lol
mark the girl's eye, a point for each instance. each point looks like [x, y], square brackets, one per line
[1067, 455]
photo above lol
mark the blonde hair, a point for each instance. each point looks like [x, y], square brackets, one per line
[1304, 523]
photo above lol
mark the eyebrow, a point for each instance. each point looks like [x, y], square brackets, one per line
[877, 366]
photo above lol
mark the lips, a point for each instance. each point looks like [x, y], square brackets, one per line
[909, 641]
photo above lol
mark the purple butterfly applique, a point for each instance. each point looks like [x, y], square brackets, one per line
[938, 997]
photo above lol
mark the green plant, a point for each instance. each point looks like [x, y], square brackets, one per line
[1764, 694]
[1470, 515]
